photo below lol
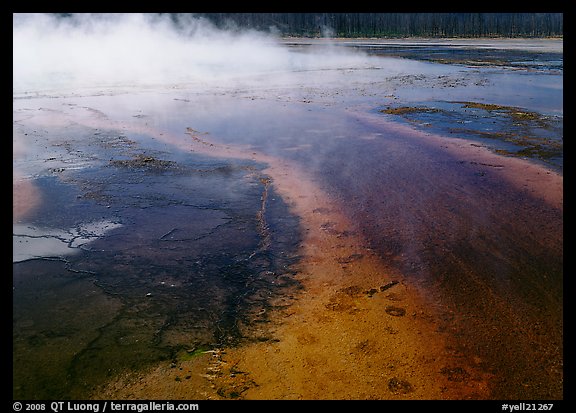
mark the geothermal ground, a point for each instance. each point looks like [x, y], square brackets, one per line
[384, 230]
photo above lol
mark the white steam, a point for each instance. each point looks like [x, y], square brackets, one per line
[86, 50]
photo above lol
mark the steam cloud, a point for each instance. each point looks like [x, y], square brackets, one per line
[107, 50]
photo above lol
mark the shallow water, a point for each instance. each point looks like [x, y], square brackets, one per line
[504, 129]
[189, 251]
[169, 245]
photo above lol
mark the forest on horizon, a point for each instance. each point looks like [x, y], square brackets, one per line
[396, 25]
[382, 25]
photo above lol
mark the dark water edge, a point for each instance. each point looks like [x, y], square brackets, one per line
[518, 59]
[191, 265]
[468, 53]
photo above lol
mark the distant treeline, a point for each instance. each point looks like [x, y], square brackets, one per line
[397, 24]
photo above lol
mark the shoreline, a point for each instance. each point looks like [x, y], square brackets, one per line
[535, 44]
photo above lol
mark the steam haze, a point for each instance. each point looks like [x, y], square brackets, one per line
[107, 50]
